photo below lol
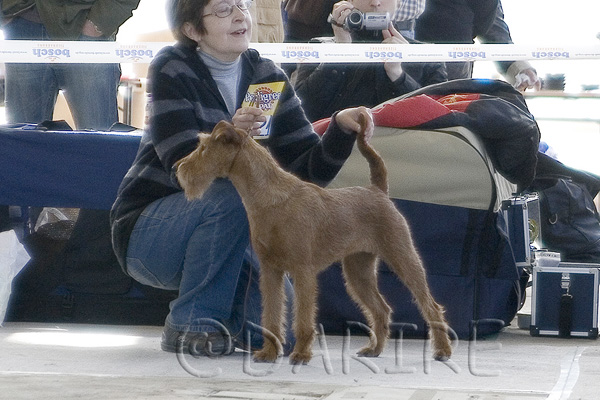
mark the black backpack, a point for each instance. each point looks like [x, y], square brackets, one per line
[570, 222]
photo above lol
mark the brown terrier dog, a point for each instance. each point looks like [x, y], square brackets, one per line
[300, 228]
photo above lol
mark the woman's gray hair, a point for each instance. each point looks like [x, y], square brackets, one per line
[180, 12]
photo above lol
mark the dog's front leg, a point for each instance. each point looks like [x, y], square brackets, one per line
[273, 302]
[305, 293]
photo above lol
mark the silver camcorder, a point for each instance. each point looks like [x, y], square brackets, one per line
[371, 21]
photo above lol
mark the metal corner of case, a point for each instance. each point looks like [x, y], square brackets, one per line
[593, 334]
[534, 330]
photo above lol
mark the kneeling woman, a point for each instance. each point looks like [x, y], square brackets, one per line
[201, 248]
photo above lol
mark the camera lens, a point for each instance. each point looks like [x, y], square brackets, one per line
[355, 17]
[354, 20]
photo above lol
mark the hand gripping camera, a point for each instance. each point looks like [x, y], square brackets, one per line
[371, 21]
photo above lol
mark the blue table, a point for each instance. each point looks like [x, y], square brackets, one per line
[80, 169]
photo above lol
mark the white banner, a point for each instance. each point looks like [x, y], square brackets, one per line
[21, 51]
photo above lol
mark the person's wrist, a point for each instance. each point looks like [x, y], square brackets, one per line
[394, 73]
[342, 36]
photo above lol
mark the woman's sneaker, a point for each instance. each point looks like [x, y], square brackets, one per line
[210, 344]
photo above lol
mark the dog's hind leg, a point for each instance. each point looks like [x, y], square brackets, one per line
[360, 273]
[305, 309]
[273, 302]
[404, 260]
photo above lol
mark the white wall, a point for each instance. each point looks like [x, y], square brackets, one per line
[555, 23]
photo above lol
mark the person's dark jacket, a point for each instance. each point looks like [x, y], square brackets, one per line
[455, 21]
[329, 87]
[461, 21]
[64, 19]
[498, 33]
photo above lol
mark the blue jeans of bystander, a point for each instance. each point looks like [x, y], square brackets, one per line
[32, 89]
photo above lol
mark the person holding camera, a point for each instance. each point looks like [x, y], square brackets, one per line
[327, 87]
[459, 21]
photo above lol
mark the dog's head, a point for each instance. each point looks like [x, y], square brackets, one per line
[213, 158]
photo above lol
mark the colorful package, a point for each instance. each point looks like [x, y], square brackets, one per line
[266, 97]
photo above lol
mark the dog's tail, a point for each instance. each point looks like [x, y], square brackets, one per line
[376, 164]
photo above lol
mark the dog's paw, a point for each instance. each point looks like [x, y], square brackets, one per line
[368, 352]
[266, 355]
[443, 350]
[297, 358]
[440, 355]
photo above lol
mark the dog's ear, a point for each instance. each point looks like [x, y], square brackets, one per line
[227, 133]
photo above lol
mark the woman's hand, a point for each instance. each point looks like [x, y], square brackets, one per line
[339, 13]
[249, 119]
[392, 36]
[350, 120]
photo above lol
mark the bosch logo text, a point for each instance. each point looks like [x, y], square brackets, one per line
[299, 54]
[52, 53]
[134, 53]
[550, 54]
[386, 55]
[466, 55]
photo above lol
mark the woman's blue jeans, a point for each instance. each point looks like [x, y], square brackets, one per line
[201, 248]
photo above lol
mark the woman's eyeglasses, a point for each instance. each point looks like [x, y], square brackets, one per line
[223, 10]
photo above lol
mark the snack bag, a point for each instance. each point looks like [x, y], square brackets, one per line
[266, 97]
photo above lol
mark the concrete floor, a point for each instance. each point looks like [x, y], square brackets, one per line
[69, 361]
